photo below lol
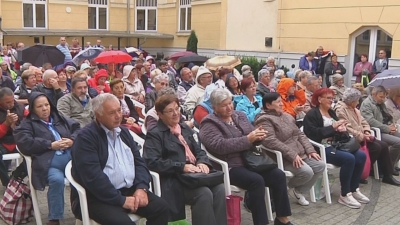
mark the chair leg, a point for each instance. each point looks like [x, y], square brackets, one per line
[325, 179]
[268, 202]
[376, 171]
[312, 194]
[78, 222]
[36, 210]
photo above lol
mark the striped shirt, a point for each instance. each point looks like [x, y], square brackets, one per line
[120, 166]
[65, 50]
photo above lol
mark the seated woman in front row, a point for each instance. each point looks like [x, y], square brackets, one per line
[320, 125]
[299, 155]
[226, 134]
[169, 150]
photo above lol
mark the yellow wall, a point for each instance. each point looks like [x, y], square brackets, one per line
[117, 18]
[58, 18]
[206, 21]
[304, 25]
[11, 15]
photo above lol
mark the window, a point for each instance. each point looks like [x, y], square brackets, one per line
[389, 39]
[185, 15]
[98, 14]
[365, 35]
[34, 13]
[146, 15]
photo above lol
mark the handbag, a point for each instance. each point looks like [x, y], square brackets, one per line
[195, 180]
[234, 216]
[345, 142]
[257, 160]
[367, 165]
[16, 205]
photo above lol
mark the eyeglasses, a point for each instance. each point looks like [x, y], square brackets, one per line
[172, 111]
[163, 84]
[329, 98]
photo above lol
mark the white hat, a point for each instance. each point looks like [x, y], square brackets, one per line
[202, 70]
[85, 66]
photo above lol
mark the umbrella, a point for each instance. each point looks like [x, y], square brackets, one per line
[388, 78]
[40, 54]
[177, 55]
[113, 57]
[134, 52]
[225, 61]
[192, 58]
[88, 53]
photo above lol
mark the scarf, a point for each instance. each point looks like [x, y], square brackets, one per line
[56, 135]
[176, 130]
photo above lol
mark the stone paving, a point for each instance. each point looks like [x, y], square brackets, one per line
[384, 208]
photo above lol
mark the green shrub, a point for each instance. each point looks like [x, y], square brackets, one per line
[253, 62]
[192, 42]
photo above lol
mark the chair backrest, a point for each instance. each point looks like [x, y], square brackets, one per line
[138, 140]
[28, 161]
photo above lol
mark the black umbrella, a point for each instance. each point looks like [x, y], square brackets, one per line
[40, 54]
[192, 58]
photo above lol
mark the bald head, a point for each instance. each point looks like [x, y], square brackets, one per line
[48, 75]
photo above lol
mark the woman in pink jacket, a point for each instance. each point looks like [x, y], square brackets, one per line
[364, 65]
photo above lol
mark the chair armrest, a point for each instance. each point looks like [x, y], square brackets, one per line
[321, 149]
[279, 158]
[377, 133]
[156, 183]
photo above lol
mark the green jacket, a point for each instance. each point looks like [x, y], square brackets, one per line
[370, 111]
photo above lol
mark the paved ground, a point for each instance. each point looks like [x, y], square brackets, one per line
[383, 208]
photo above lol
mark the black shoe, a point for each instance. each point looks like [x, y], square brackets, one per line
[397, 168]
[390, 180]
[396, 173]
[278, 222]
[363, 181]
[246, 201]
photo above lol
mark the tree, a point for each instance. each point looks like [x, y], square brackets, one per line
[192, 42]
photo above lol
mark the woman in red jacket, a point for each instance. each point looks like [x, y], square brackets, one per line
[99, 82]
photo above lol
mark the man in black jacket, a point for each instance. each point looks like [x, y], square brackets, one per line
[107, 163]
[50, 86]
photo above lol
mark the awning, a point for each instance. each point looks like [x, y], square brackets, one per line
[85, 33]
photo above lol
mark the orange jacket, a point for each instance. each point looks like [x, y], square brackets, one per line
[299, 96]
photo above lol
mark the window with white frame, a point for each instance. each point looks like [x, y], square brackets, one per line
[185, 15]
[146, 15]
[98, 14]
[34, 13]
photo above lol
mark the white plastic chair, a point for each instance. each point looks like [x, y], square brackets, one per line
[377, 134]
[143, 107]
[36, 208]
[12, 156]
[288, 174]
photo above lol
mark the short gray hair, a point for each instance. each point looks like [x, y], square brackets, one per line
[304, 74]
[279, 73]
[311, 79]
[98, 101]
[166, 91]
[351, 95]
[245, 68]
[5, 91]
[47, 74]
[25, 66]
[247, 73]
[219, 95]
[378, 89]
[159, 77]
[270, 58]
[262, 73]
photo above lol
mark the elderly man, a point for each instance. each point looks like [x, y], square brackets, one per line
[160, 81]
[163, 66]
[11, 114]
[77, 105]
[374, 110]
[195, 94]
[63, 47]
[107, 163]
[381, 64]
[92, 92]
[264, 83]
[50, 86]
[185, 84]
[311, 86]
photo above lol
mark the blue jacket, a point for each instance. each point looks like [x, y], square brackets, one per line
[248, 108]
[89, 157]
[304, 64]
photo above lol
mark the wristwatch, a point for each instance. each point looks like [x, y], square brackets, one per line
[144, 189]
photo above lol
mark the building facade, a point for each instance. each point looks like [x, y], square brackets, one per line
[285, 29]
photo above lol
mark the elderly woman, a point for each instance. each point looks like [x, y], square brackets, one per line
[338, 86]
[270, 64]
[264, 80]
[233, 85]
[99, 82]
[62, 81]
[181, 155]
[284, 136]
[392, 104]
[159, 82]
[227, 134]
[153, 74]
[277, 76]
[293, 99]
[22, 92]
[321, 125]
[130, 115]
[362, 68]
[363, 92]
[333, 67]
[360, 129]
[133, 85]
[47, 137]
[251, 103]
[302, 79]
